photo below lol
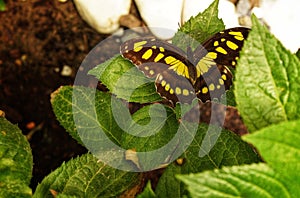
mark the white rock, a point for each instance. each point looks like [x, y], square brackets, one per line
[283, 18]
[258, 12]
[103, 15]
[228, 14]
[226, 11]
[193, 7]
[243, 7]
[162, 16]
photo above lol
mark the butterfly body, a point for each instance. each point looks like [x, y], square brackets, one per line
[180, 78]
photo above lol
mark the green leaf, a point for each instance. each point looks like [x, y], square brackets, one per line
[92, 109]
[228, 149]
[168, 185]
[15, 161]
[124, 80]
[214, 147]
[154, 127]
[2, 5]
[94, 118]
[199, 28]
[256, 180]
[152, 124]
[61, 101]
[85, 176]
[147, 192]
[266, 82]
[279, 145]
[228, 98]
[64, 196]
[101, 123]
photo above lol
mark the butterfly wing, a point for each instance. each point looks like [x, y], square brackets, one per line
[223, 47]
[212, 60]
[145, 53]
[174, 87]
[158, 59]
[213, 83]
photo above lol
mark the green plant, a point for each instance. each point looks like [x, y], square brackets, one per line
[15, 161]
[2, 5]
[265, 92]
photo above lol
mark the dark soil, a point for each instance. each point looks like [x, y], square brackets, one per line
[37, 39]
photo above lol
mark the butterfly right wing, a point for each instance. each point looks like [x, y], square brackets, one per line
[223, 47]
[212, 60]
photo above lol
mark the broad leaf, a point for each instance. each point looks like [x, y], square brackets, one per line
[266, 82]
[154, 135]
[85, 176]
[279, 145]
[227, 150]
[147, 192]
[96, 120]
[2, 5]
[61, 101]
[126, 81]
[198, 29]
[80, 108]
[15, 161]
[256, 180]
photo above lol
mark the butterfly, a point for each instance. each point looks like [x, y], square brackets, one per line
[180, 77]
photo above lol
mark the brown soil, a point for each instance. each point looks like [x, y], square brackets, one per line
[37, 38]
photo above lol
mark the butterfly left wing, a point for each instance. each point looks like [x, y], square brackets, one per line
[153, 56]
[174, 73]
[175, 88]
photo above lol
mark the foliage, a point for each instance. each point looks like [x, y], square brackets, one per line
[15, 161]
[2, 5]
